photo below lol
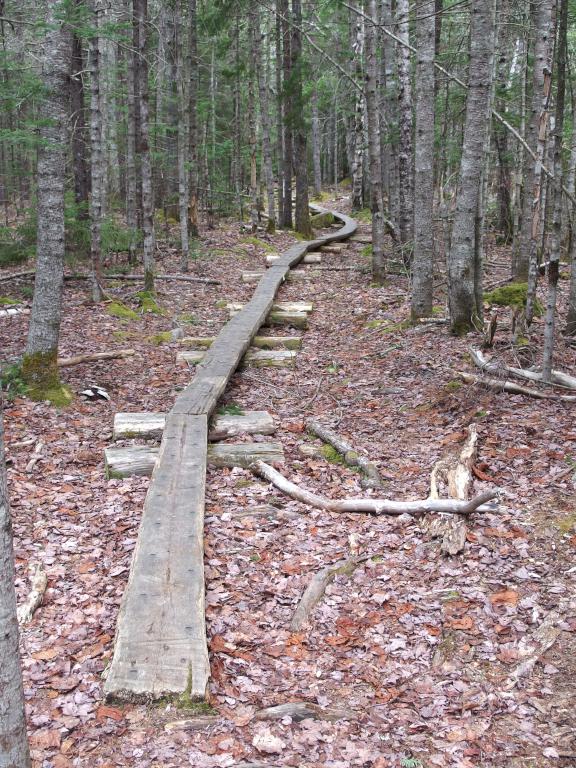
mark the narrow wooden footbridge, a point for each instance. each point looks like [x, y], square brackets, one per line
[161, 647]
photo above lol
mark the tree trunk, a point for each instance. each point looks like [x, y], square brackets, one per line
[373, 124]
[96, 156]
[462, 268]
[389, 115]
[182, 139]
[556, 190]
[193, 118]
[78, 123]
[288, 117]
[40, 368]
[406, 177]
[536, 139]
[316, 144]
[279, 114]
[261, 72]
[141, 21]
[302, 209]
[131, 170]
[14, 751]
[252, 130]
[423, 260]
[357, 136]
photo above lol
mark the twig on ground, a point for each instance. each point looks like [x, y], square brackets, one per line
[64, 362]
[39, 582]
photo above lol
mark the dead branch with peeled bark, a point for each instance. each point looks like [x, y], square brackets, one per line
[39, 582]
[347, 451]
[559, 379]
[65, 362]
[374, 506]
[503, 385]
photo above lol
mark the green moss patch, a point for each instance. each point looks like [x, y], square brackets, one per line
[121, 311]
[331, 454]
[512, 295]
[59, 396]
[160, 338]
[148, 303]
[321, 220]
[8, 301]
[258, 243]
[366, 252]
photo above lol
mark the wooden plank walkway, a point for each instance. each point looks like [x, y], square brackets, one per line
[161, 647]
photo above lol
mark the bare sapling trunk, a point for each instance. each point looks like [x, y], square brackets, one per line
[288, 116]
[423, 258]
[78, 127]
[406, 176]
[261, 67]
[252, 130]
[462, 271]
[40, 366]
[357, 138]
[302, 209]
[182, 142]
[131, 175]
[316, 145]
[536, 130]
[97, 164]
[554, 254]
[193, 119]
[374, 156]
[141, 21]
[14, 752]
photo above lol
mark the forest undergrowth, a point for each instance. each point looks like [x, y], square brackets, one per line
[410, 658]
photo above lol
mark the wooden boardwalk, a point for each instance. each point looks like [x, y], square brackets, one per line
[161, 647]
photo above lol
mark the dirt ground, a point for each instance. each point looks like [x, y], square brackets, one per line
[410, 660]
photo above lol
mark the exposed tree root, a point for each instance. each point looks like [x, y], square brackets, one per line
[348, 453]
[374, 506]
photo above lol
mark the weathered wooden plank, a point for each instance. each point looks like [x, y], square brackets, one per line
[140, 460]
[293, 319]
[274, 358]
[309, 258]
[161, 647]
[151, 425]
[278, 306]
[264, 342]
[190, 356]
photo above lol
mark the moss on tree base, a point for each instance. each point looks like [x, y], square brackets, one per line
[42, 379]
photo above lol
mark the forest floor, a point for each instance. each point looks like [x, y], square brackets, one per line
[414, 650]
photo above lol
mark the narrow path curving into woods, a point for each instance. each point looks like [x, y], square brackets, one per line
[161, 647]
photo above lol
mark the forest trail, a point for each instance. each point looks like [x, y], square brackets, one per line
[412, 651]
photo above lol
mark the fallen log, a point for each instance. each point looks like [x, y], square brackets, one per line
[65, 362]
[373, 506]
[503, 385]
[303, 710]
[315, 590]
[277, 306]
[263, 342]
[558, 379]
[17, 275]
[178, 278]
[348, 453]
[151, 425]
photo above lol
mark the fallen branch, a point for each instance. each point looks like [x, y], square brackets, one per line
[374, 506]
[350, 456]
[180, 278]
[503, 385]
[65, 362]
[302, 710]
[315, 590]
[17, 275]
[559, 378]
[39, 582]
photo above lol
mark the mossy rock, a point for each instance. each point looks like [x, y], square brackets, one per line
[121, 311]
[512, 295]
[322, 220]
[8, 301]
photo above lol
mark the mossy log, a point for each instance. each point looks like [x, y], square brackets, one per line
[293, 319]
[141, 459]
[310, 258]
[292, 276]
[151, 425]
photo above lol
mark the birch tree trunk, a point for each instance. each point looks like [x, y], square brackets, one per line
[556, 190]
[406, 177]
[97, 164]
[141, 20]
[423, 259]
[462, 268]
[14, 751]
[357, 139]
[261, 73]
[536, 138]
[39, 367]
[302, 209]
[373, 124]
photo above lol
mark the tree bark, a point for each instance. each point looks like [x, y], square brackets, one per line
[302, 209]
[131, 122]
[252, 129]
[316, 145]
[193, 118]
[423, 259]
[554, 254]
[96, 156]
[14, 752]
[374, 148]
[406, 177]
[140, 22]
[287, 114]
[182, 136]
[463, 273]
[78, 123]
[357, 137]
[261, 72]
[40, 368]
